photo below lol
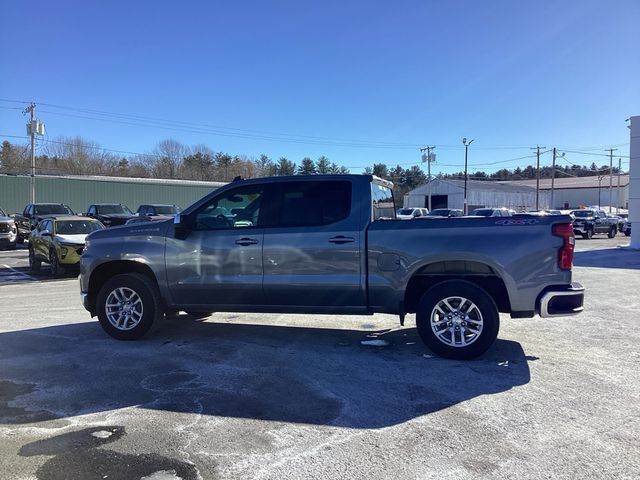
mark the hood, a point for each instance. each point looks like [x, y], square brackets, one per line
[155, 228]
[76, 239]
[115, 215]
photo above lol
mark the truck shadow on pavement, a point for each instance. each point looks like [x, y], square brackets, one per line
[620, 257]
[294, 374]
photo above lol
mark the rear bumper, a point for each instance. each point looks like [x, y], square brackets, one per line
[562, 301]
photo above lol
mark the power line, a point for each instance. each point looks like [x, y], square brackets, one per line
[218, 130]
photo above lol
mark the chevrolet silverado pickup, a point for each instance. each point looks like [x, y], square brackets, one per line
[33, 213]
[322, 244]
[589, 222]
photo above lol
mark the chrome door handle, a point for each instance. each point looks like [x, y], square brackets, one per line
[340, 239]
[246, 241]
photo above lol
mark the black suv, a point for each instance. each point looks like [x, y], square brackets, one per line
[110, 214]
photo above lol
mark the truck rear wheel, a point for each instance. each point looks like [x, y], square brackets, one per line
[127, 306]
[457, 319]
[612, 232]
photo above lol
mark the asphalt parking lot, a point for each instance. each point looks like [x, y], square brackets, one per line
[261, 396]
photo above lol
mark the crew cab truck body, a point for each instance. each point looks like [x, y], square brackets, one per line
[589, 222]
[33, 213]
[319, 244]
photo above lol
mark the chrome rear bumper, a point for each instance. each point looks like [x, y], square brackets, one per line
[562, 302]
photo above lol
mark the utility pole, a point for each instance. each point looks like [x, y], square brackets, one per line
[618, 188]
[428, 158]
[31, 129]
[466, 176]
[553, 177]
[537, 149]
[611, 150]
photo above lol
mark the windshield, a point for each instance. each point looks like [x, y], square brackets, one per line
[111, 209]
[2, 214]
[166, 210]
[483, 212]
[52, 210]
[583, 213]
[74, 227]
[406, 211]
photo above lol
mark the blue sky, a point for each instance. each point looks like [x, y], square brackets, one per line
[390, 75]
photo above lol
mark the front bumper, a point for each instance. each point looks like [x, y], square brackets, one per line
[579, 229]
[72, 254]
[8, 238]
[85, 300]
[562, 301]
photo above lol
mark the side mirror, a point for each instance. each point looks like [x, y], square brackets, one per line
[183, 224]
[45, 233]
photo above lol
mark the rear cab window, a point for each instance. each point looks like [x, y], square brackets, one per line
[382, 204]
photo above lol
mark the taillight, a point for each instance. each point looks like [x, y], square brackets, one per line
[565, 256]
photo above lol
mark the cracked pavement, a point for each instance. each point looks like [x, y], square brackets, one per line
[268, 396]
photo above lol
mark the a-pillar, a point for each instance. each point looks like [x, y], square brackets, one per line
[634, 181]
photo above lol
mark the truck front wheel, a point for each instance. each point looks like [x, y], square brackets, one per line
[612, 232]
[457, 319]
[127, 306]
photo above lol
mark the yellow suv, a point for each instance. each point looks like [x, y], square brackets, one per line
[59, 241]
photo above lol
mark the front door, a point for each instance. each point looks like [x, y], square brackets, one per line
[312, 250]
[219, 263]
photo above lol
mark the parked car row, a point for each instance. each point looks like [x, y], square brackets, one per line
[38, 224]
[587, 221]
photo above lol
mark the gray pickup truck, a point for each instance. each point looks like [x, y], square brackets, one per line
[321, 244]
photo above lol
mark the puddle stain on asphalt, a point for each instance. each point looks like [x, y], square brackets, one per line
[76, 456]
[10, 391]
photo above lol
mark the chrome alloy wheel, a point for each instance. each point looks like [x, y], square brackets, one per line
[124, 308]
[456, 321]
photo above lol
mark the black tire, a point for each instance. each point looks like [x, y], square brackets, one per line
[145, 289]
[34, 262]
[55, 268]
[485, 307]
[612, 232]
[588, 234]
[627, 234]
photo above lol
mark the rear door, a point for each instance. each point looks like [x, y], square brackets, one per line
[311, 254]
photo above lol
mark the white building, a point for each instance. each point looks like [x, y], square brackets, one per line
[573, 192]
[450, 194]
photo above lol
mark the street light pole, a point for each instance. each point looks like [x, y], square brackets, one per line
[600, 177]
[466, 153]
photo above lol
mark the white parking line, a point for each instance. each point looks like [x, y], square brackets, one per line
[13, 275]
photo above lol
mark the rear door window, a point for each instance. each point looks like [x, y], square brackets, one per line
[304, 204]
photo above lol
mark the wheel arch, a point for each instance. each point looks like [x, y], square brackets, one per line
[478, 273]
[108, 270]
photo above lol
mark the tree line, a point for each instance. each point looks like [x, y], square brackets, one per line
[174, 160]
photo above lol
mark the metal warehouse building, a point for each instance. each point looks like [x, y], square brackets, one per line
[450, 194]
[80, 191]
[575, 191]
